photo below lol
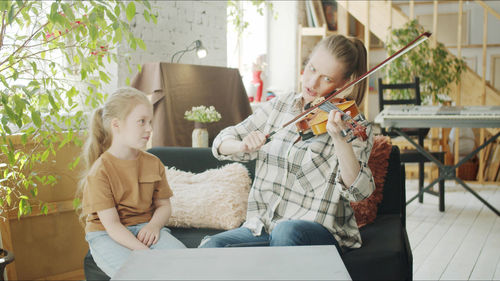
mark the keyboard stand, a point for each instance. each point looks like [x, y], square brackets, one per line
[448, 171]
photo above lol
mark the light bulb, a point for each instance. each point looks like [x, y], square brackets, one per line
[201, 52]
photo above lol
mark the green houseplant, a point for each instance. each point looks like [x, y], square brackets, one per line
[53, 59]
[436, 67]
[202, 114]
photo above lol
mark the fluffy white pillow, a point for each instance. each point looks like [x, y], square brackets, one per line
[216, 198]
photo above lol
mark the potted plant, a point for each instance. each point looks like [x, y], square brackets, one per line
[201, 115]
[435, 67]
[52, 68]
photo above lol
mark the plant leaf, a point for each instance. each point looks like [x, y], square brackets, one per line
[130, 10]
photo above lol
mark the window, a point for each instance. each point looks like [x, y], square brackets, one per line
[252, 43]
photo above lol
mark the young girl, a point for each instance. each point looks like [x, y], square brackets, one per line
[302, 187]
[125, 192]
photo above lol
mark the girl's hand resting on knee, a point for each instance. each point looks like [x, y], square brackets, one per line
[149, 234]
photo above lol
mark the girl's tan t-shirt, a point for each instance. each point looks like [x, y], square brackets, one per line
[130, 186]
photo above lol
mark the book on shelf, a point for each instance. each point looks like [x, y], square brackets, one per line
[329, 8]
[318, 12]
[316, 16]
[309, 13]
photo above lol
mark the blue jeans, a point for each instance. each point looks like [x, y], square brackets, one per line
[110, 256]
[286, 233]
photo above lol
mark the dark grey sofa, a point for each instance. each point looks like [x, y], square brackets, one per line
[385, 254]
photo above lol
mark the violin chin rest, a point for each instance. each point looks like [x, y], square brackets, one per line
[306, 136]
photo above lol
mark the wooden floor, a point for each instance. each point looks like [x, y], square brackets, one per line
[462, 243]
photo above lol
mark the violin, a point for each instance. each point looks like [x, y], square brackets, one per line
[314, 123]
[327, 106]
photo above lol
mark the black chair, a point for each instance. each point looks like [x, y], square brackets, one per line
[412, 155]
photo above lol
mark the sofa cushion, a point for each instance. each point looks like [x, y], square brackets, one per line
[216, 198]
[383, 247]
[365, 211]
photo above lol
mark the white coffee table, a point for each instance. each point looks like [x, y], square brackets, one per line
[246, 263]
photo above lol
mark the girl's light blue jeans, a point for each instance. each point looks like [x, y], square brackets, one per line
[286, 233]
[110, 256]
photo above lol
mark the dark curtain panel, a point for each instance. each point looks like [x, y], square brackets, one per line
[175, 88]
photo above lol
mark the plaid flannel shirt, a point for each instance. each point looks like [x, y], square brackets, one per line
[299, 180]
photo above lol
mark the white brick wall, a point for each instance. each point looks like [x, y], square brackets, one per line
[179, 24]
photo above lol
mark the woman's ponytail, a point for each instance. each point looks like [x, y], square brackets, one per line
[360, 68]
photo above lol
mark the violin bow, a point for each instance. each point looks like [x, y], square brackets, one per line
[417, 41]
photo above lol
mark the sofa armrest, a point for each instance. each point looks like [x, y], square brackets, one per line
[394, 195]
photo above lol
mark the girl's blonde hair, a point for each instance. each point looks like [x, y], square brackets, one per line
[118, 105]
[352, 53]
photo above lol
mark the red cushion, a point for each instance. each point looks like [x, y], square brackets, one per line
[366, 211]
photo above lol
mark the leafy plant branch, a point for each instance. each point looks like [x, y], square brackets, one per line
[52, 70]
[236, 13]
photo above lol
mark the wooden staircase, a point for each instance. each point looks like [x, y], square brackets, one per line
[473, 88]
[388, 15]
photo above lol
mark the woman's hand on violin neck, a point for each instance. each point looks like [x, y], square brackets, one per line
[253, 142]
[335, 125]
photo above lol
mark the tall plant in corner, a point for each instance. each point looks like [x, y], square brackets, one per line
[436, 67]
[53, 57]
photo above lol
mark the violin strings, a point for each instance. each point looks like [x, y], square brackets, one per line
[328, 106]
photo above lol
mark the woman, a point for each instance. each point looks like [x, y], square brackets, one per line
[302, 189]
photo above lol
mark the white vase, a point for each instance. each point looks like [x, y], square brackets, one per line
[199, 137]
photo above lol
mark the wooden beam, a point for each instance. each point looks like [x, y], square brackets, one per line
[489, 9]
[435, 24]
[485, 42]
[390, 16]
[458, 100]
[434, 131]
[343, 20]
[491, 45]
[420, 3]
[482, 155]
[412, 9]
[459, 28]
[367, 45]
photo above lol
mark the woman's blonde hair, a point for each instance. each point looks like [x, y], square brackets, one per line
[352, 53]
[118, 105]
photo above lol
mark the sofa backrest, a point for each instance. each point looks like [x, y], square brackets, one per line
[197, 160]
